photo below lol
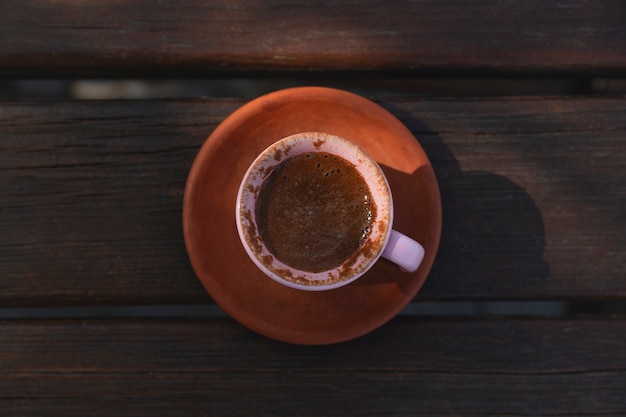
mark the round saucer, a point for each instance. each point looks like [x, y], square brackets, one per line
[226, 271]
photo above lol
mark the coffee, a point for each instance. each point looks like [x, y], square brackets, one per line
[314, 211]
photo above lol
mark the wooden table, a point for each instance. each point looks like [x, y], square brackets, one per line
[104, 316]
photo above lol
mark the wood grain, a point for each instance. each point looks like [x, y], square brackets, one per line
[166, 37]
[409, 367]
[533, 193]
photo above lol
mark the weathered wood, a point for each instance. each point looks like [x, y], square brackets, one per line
[408, 367]
[533, 193]
[140, 37]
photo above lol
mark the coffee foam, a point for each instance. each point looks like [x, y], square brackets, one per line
[314, 210]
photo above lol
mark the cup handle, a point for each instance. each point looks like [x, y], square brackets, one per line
[403, 251]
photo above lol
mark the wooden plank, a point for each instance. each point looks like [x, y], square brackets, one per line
[92, 200]
[408, 367]
[139, 37]
[533, 193]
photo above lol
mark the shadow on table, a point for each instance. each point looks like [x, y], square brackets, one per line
[493, 235]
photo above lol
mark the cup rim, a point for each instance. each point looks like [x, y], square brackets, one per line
[261, 168]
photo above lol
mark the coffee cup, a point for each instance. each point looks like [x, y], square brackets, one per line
[314, 212]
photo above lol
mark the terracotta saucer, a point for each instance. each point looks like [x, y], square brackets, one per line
[223, 266]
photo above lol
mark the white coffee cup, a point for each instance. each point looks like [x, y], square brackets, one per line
[381, 241]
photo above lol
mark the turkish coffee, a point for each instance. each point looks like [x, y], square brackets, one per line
[314, 211]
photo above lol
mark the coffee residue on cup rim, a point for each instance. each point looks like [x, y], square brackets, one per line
[251, 236]
[368, 252]
[279, 151]
[318, 143]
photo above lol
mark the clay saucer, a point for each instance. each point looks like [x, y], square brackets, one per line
[223, 266]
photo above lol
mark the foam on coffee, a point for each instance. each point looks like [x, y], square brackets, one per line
[314, 211]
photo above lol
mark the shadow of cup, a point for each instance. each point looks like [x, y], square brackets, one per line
[493, 235]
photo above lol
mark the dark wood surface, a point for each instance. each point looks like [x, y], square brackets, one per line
[411, 367]
[145, 37]
[533, 192]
